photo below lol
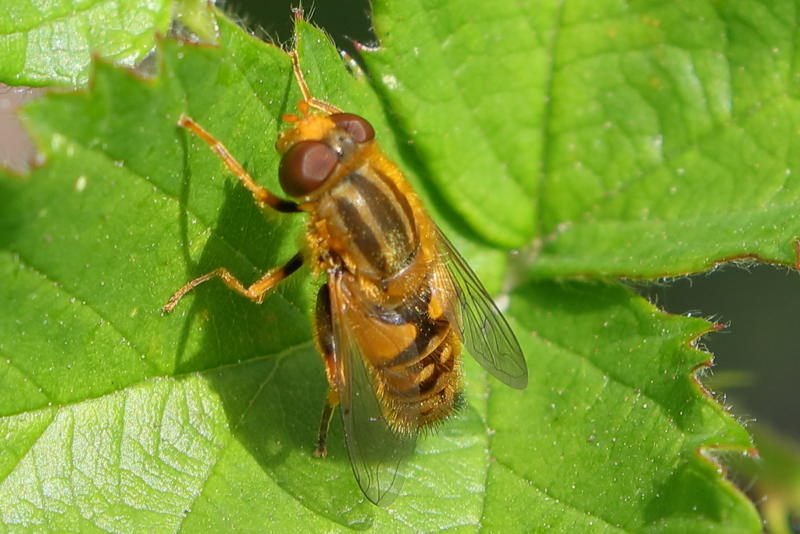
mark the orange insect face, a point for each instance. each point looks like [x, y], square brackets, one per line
[400, 305]
[315, 146]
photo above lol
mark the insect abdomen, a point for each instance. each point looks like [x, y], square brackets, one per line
[421, 383]
[438, 381]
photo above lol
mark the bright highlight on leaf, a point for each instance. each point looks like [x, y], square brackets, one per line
[51, 43]
[570, 124]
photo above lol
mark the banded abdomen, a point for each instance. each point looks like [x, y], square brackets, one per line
[423, 380]
[414, 353]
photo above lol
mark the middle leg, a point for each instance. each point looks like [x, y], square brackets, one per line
[254, 291]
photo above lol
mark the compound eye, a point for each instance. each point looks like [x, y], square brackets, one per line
[305, 166]
[357, 127]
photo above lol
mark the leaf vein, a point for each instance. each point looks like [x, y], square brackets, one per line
[84, 303]
[542, 490]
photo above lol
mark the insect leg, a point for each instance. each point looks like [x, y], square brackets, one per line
[254, 291]
[324, 338]
[262, 195]
[331, 401]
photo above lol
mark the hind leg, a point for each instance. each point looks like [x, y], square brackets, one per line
[324, 339]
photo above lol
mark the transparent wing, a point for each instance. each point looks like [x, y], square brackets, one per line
[483, 328]
[376, 451]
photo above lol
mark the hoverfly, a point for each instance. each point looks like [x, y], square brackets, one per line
[399, 304]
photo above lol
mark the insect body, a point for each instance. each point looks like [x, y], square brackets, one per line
[400, 304]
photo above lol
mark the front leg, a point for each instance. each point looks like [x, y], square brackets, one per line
[262, 195]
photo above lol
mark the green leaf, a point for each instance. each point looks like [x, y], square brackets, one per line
[119, 418]
[51, 43]
[603, 124]
[462, 91]
[621, 428]
[675, 139]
